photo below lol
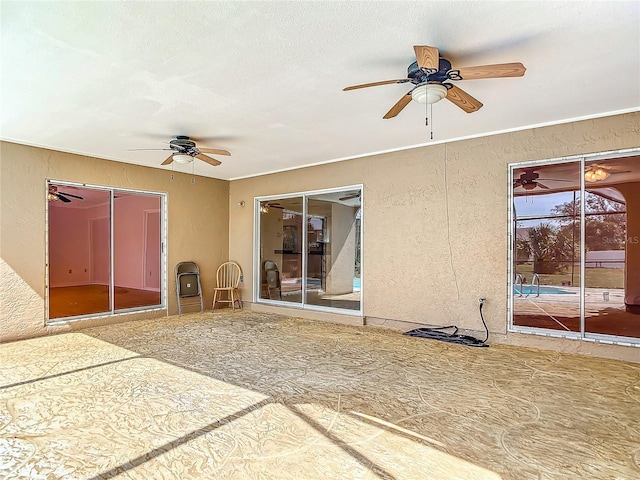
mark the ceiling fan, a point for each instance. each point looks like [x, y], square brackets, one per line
[184, 150]
[429, 73]
[530, 179]
[54, 195]
[265, 206]
[350, 196]
[595, 172]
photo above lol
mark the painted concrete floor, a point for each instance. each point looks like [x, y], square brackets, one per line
[261, 396]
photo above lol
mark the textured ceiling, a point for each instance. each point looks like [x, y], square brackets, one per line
[264, 80]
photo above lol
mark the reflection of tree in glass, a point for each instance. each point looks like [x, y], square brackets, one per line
[551, 248]
[523, 249]
[605, 222]
[290, 238]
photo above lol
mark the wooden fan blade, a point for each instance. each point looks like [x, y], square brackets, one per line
[148, 149]
[542, 185]
[492, 71]
[397, 108]
[168, 160]
[217, 151]
[375, 84]
[64, 199]
[427, 57]
[209, 160]
[463, 100]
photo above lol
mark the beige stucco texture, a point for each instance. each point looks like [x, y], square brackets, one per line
[435, 220]
[197, 228]
[435, 225]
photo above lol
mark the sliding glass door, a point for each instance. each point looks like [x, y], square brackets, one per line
[576, 247]
[104, 251]
[547, 276]
[79, 228]
[309, 250]
[136, 250]
[281, 249]
[332, 245]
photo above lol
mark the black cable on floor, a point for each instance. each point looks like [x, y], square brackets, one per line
[436, 333]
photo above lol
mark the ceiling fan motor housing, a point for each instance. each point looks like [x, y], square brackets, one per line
[420, 75]
[183, 144]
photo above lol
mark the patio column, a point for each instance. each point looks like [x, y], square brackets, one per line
[341, 261]
[631, 192]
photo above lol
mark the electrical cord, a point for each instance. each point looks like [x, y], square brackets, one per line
[436, 333]
[483, 322]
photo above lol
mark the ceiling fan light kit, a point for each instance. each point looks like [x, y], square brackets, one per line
[182, 158]
[429, 93]
[596, 174]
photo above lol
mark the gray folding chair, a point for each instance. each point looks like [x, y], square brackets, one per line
[188, 285]
[272, 278]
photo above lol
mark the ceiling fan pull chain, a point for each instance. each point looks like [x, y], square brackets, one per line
[429, 113]
[426, 112]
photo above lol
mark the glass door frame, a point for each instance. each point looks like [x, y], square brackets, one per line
[257, 267]
[163, 254]
[582, 334]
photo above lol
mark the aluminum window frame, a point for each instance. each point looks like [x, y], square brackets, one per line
[582, 334]
[257, 268]
[163, 255]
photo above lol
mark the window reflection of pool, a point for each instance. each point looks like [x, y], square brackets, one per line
[544, 290]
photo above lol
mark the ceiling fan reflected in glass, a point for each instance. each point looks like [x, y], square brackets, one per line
[430, 73]
[54, 195]
[265, 206]
[350, 196]
[529, 179]
[597, 173]
[185, 149]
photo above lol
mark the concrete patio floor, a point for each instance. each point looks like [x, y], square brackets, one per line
[250, 395]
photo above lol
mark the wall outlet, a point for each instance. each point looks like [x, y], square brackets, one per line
[241, 279]
[69, 270]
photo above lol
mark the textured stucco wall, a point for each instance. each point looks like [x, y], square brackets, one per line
[435, 220]
[198, 219]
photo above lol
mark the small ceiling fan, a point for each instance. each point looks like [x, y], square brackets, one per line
[350, 196]
[596, 172]
[429, 73]
[185, 150]
[265, 206]
[530, 179]
[54, 195]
